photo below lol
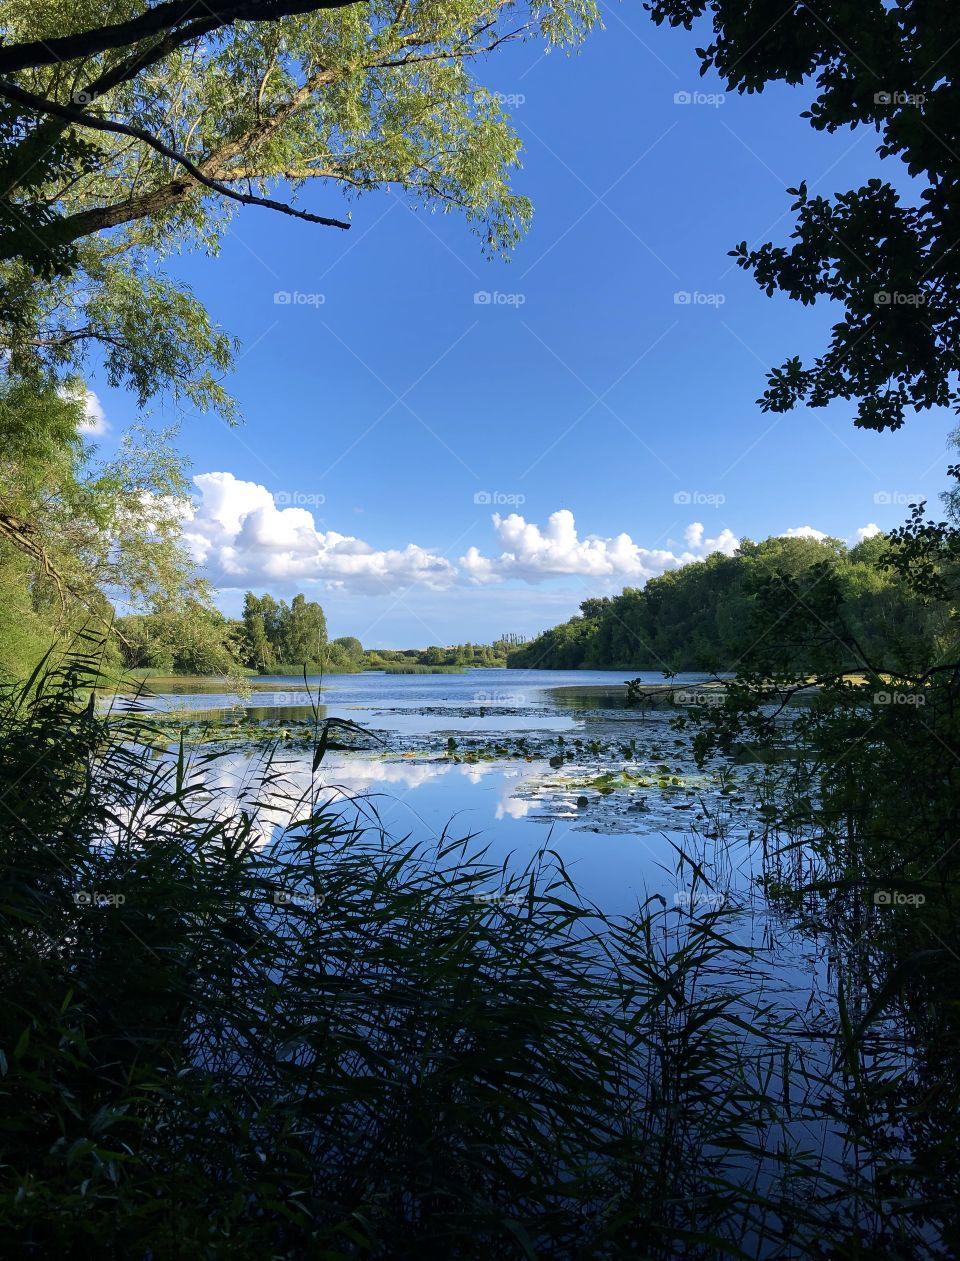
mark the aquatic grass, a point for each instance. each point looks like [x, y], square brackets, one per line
[417, 669]
[869, 807]
[239, 1022]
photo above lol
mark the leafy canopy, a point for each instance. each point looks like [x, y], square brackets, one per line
[350, 100]
[129, 134]
[889, 259]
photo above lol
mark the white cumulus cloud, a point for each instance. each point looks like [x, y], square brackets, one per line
[810, 532]
[94, 418]
[533, 553]
[804, 532]
[241, 537]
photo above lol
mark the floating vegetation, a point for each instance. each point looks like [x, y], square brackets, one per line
[239, 730]
[635, 799]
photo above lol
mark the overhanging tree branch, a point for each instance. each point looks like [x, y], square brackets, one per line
[161, 18]
[81, 118]
[25, 536]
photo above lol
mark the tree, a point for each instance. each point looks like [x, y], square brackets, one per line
[258, 651]
[170, 25]
[890, 261]
[87, 530]
[702, 616]
[305, 633]
[275, 633]
[189, 638]
[127, 133]
[595, 606]
[154, 128]
[272, 613]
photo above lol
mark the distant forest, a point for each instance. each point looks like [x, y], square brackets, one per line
[699, 617]
[275, 637]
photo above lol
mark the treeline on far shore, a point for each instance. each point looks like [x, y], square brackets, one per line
[273, 637]
[699, 617]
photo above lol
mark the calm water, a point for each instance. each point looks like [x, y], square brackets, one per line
[621, 848]
[345, 694]
[496, 784]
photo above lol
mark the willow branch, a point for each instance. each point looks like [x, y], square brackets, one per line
[42, 105]
[161, 19]
[25, 536]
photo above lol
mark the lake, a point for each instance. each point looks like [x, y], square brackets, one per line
[470, 754]
[518, 761]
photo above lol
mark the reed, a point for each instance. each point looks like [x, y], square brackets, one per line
[237, 1023]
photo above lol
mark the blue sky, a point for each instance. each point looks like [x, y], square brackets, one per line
[388, 409]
